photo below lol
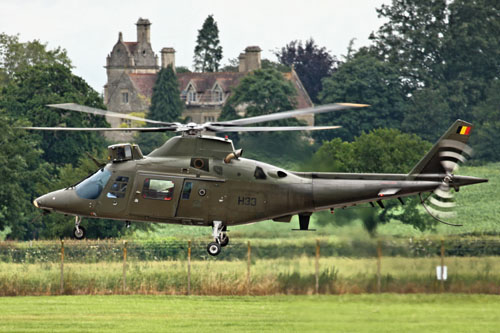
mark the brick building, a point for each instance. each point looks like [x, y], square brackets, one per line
[132, 68]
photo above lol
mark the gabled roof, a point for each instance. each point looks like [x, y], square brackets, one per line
[144, 83]
[131, 46]
[204, 82]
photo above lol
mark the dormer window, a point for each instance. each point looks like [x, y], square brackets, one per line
[191, 95]
[217, 94]
[125, 97]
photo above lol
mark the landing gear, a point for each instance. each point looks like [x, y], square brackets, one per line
[221, 238]
[213, 248]
[224, 239]
[78, 231]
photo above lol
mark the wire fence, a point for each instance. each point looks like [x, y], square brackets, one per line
[292, 267]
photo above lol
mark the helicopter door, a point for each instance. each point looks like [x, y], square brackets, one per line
[202, 200]
[155, 196]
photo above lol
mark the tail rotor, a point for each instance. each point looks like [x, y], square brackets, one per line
[441, 205]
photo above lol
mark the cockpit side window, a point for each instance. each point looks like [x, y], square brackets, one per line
[119, 188]
[259, 173]
[158, 189]
[92, 187]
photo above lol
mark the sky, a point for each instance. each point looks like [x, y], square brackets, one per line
[89, 29]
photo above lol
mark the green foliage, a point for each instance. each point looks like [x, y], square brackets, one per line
[311, 62]
[269, 64]
[447, 56]
[22, 169]
[379, 151]
[166, 104]
[362, 79]
[233, 65]
[486, 135]
[262, 92]
[16, 57]
[208, 52]
[27, 95]
[182, 69]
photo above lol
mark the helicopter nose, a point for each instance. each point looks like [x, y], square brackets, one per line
[57, 200]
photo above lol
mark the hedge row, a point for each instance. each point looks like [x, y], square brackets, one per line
[173, 249]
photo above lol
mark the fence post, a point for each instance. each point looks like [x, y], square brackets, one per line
[317, 266]
[189, 268]
[62, 267]
[249, 262]
[379, 262]
[442, 264]
[124, 286]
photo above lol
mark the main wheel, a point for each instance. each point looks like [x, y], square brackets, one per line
[224, 239]
[80, 233]
[213, 248]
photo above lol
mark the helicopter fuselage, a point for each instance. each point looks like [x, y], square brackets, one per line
[190, 180]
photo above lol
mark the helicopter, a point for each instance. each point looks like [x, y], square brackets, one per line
[202, 180]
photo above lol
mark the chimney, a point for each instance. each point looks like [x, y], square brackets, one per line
[252, 58]
[242, 63]
[167, 57]
[143, 30]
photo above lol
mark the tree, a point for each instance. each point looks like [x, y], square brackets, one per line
[262, 92]
[311, 62]
[362, 79]
[450, 48]
[21, 168]
[486, 134]
[208, 52]
[16, 56]
[26, 97]
[166, 103]
[383, 151]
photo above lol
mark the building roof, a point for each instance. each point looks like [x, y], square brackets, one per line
[144, 83]
[203, 82]
[131, 46]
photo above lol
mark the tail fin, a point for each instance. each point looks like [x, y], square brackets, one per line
[456, 138]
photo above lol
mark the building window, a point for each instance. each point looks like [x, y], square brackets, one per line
[209, 119]
[125, 97]
[191, 95]
[217, 94]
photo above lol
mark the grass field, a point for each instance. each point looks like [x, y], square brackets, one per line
[346, 313]
[268, 277]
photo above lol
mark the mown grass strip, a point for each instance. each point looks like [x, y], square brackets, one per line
[347, 313]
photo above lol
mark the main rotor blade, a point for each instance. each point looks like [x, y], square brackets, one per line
[289, 114]
[99, 112]
[102, 129]
[268, 128]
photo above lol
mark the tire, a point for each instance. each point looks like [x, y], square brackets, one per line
[224, 240]
[213, 248]
[79, 235]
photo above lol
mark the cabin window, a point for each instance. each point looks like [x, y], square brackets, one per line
[119, 188]
[92, 187]
[158, 189]
[186, 191]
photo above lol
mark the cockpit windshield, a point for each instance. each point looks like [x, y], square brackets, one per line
[92, 187]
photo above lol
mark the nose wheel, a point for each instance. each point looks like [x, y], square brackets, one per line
[221, 239]
[78, 231]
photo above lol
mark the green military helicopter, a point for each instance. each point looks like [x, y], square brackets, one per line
[196, 179]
